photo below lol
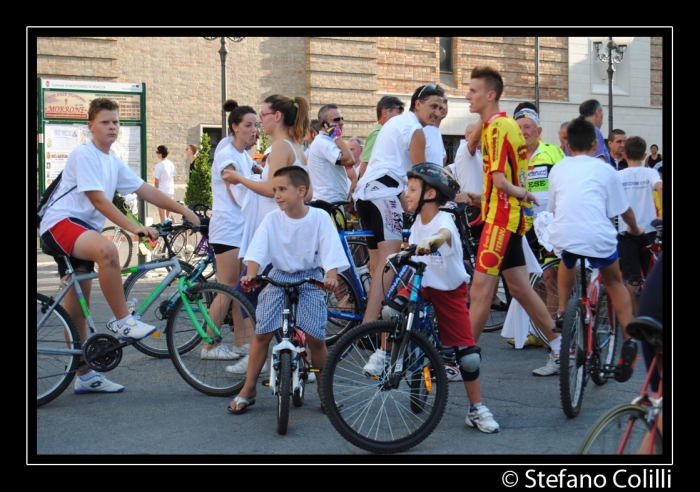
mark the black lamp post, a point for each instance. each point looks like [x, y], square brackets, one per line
[613, 52]
[222, 52]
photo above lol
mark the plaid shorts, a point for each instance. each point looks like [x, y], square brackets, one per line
[312, 314]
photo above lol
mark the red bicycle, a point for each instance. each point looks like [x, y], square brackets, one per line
[633, 428]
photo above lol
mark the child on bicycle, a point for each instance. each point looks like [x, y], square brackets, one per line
[73, 223]
[445, 281]
[584, 194]
[299, 242]
[639, 183]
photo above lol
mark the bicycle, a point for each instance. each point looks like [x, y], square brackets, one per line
[59, 349]
[633, 428]
[399, 409]
[141, 283]
[590, 337]
[289, 368]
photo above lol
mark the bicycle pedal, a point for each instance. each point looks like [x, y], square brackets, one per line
[266, 382]
[315, 369]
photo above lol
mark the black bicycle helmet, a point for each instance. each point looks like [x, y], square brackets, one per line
[437, 177]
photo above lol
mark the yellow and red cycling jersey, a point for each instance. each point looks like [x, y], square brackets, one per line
[503, 148]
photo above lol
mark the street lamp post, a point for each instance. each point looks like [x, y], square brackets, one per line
[613, 52]
[222, 53]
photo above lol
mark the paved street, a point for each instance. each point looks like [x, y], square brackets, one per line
[159, 414]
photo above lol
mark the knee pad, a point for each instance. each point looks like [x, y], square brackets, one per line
[469, 360]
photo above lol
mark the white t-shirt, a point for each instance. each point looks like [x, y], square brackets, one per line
[223, 143]
[294, 245]
[469, 169]
[639, 183]
[91, 170]
[445, 267]
[165, 173]
[434, 147]
[584, 193]
[226, 225]
[329, 180]
[391, 157]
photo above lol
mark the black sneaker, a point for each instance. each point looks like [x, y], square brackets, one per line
[628, 359]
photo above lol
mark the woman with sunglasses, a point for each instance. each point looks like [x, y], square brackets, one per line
[226, 223]
[379, 197]
[286, 120]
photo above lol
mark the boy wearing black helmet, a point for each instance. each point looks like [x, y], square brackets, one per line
[445, 281]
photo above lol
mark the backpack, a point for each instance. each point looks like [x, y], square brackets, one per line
[46, 199]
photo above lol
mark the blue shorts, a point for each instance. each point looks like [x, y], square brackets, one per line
[570, 259]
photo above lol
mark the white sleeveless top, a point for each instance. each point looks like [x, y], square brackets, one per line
[269, 204]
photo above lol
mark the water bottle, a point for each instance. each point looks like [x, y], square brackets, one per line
[363, 273]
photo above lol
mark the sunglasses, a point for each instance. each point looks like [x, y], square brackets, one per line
[400, 108]
[336, 120]
[430, 87]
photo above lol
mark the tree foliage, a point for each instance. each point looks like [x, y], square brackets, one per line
[199, 184]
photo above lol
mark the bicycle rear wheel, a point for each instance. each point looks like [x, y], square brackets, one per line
[344, 299]
[184, 243]
[622, 431]
[358, 250]
[140, 285]
[201, 365]
[54, 373]
[572, 359]
[122, 240]
[605, 336]
[366, 410]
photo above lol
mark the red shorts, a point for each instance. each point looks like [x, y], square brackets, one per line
[452, 314]
[62, 237]
[499, 249]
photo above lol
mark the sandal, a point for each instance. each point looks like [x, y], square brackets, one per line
[239, 400]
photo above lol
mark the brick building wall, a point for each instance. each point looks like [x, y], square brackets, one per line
[657, 81]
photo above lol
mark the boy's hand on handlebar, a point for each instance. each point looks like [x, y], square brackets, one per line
[430, 244]
[248, 283]
[146, 231]
[191, 217]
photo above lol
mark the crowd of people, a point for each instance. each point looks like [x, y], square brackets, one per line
[260, 222]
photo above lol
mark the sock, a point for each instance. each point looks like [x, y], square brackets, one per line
[88, 376]
[475, 406]
[555, 345]
[121, 322]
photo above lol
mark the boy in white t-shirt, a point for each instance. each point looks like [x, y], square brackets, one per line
[299, 242]
[73, 223]
[584, 194]
[639, 183]
[445, 280]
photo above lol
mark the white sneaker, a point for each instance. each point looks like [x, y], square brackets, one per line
[133, 328]
[453, 373]
[241, 367]
[482, 419]
[376, 363]
[311, 378]
[96, 384]
[549, 369]
[220, 352]
[241, 351]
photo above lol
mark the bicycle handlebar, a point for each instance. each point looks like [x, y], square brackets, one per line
[264, 278]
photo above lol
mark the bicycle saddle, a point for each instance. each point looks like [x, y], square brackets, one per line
[646, 329]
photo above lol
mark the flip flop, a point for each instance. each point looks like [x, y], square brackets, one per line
[239, 400]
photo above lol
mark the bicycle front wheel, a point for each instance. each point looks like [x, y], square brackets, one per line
[122, 240]
[623, 430]
[572, 359]
[366, 409]
[284, 390]
[54, 372]
[606, 335]
[139, 285]
[216, 369]
[344, 299]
